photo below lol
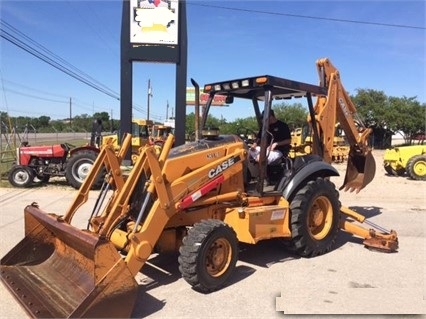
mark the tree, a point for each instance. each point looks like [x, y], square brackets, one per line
[372, 106]
[5, 122]
[387, 115]
[104, 116]
[82, 122]
[407, 115]
[189, 125]
[240, 126]
[43, 121]
[294, 115]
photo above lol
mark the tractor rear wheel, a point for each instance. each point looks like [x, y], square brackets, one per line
[208, 255]
[79, 166]
[315, 214]
[416, 167]
[21, 176]
[395, 172]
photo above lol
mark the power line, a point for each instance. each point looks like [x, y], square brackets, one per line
[93, 14]
[62, 99]
[21, 86]
[75, 73]
[34, 96]
[310, 17]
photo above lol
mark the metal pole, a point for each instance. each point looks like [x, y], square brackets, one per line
[149, 98]
[181, 78]
[126, 79]
[70, 112]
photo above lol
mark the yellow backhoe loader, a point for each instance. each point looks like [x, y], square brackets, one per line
[301, 144]
[198, 199]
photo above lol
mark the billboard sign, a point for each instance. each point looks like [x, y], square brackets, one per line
[154, 22]
[218, 100]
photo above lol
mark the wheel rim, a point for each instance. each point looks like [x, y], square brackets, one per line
[82, 170]
[419, 168]
[21, 177]
[320, 218]
[218, 257]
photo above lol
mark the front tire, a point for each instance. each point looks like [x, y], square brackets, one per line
[315, 214]
[21, 176]
[416, 167]
[208, 255]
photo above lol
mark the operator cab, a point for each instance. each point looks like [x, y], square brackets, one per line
[272, 178]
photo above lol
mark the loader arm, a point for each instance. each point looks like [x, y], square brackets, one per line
[335, 107]
[111, 161]
[172, 197]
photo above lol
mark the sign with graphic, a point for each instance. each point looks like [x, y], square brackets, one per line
[218, 100]
[154, 22]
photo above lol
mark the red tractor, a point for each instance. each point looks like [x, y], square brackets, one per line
[43, 162]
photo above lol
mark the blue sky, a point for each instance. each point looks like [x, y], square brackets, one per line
[261, 38]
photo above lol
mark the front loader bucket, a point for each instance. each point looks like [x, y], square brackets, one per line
[59, 271]
[360, 171]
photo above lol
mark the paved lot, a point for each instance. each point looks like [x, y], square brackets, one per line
[269, 281]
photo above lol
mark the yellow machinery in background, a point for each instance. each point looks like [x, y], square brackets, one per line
[159, 133]
[301, 144]
[140, 135]
[410, 160]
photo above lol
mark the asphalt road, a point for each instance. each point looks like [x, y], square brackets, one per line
[271, 282]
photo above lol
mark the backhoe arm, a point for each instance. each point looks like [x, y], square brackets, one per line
[338, 107]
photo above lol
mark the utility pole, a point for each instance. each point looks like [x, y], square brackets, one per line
[112, 123]
[149, 98]
[167, 110]
[70, 112]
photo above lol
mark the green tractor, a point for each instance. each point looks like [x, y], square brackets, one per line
[410, 160]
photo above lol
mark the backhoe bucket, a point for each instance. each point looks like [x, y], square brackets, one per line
[59, 271]
[360, 171]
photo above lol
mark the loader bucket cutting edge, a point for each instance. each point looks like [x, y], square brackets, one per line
[59, 271]
[360, 171]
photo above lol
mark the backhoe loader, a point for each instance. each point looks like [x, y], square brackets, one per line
[196, 198]
[301, 144]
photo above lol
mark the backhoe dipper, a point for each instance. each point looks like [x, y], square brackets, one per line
[197, 198]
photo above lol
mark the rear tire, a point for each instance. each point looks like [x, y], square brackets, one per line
[416, 167]
[21, 176]
[315, 214]
[79, 166]
[208, 255]
[394, 172]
